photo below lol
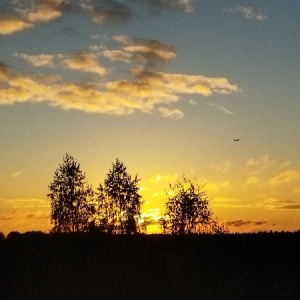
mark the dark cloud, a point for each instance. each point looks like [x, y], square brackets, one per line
[185, 5]
[37, 216]
[146, 52]
[290, 206]
[284, 204]
[240, 223]
[103, 12]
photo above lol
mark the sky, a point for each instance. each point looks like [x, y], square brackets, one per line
[163, 85]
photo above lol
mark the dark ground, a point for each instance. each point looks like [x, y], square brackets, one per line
[93, 266]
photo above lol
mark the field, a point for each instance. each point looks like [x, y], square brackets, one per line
[96, 266]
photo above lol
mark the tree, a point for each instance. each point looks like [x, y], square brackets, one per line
[187, 210]
[119, 202]
[71, 207]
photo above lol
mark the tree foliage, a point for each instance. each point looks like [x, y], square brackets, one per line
[187, 210]
[71, 207]
[119, 202]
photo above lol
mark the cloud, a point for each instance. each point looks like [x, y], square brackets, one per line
[22, 88]
[247, 12]
[211, 186]
[285, 177]
[106, 11]
[40, 60]
[252, 180]
[168, 178]
[144, 91]
[171, 113]
[193, 102]
[221, 108]
[241, 223]
[297, 190]
[185, 5]
[85, 62]
[27, 13]
[256, 165]
[285, 164]
[221, 167]
[144, 52]
[276, 204]
[16, 174]
[9, 25]
[117, 55]
[41, 11]
[251, 13]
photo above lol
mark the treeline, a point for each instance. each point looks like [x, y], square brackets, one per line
[115, 207]
[80, 265]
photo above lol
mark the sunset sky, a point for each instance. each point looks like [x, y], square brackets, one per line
[163, 85]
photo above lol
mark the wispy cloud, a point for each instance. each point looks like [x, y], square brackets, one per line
[296, 190]
[40, 11]
[247, 12]
[252, 180]
[171, 113]
[16, 174]
[215, 186]
[278, 204]
[221, 108]
[186, 5]
[40, 60]
[165, 178]
[256, 165]
[103, 12]
[192, 102]
[240, 223]
[221, 167]
[285, 177]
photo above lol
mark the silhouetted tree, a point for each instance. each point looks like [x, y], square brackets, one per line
[71, 198]
[119, 202]
[187, 210]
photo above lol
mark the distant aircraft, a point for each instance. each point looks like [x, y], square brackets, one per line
[236, 140]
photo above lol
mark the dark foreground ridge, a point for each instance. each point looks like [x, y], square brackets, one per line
[97, 266]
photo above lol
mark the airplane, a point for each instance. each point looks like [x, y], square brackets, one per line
[236, 140]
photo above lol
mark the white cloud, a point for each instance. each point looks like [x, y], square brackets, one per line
[247, 12]
[171, 113]
[193, 102]
[221, 108]
[40, 60]
[251, 13]
[41, 11]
